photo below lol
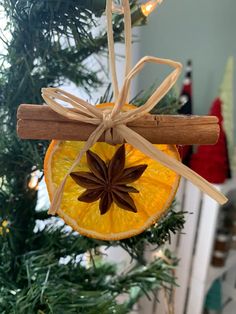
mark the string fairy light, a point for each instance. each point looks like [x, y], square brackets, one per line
[34, 181]
[148, 7]
[4, 228]
[139, 13]
[160, 254]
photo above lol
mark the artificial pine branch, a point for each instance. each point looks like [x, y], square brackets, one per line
[79, 289]
[159, 234]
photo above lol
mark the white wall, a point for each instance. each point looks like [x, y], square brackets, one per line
[203, 30]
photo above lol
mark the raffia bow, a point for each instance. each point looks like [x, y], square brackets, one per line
[113, 122]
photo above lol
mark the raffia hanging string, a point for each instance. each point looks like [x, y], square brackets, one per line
[111, 48]
[113, 122]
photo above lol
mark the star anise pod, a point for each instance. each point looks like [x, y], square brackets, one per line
[108, 182]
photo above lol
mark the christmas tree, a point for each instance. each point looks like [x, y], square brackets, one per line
[48, 44]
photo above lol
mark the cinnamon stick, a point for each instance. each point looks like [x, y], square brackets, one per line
[41, 122]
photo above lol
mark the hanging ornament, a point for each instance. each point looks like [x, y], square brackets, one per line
[112, 182]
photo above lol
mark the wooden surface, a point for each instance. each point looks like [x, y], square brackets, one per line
[41, 122]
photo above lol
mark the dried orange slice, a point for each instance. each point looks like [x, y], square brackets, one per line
[156, 188]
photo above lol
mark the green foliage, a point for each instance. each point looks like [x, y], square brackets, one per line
[46, 287]
[42, 284]
[50, 43]
[157, 235]
[168, 105]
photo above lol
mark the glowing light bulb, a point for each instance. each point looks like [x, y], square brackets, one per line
[150, 6]
[34, 181]
[160, 254]
[3, 227]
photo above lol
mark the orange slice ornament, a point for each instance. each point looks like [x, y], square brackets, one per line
[115, 192]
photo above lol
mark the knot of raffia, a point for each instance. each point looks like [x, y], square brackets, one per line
[112, 136]
[107, 120]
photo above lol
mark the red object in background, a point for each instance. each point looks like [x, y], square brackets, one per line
[211, 161]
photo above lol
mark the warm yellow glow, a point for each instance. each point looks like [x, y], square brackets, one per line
[3, 227]
[150, 6]
[33, 182]
[160, 254]
[5, 223]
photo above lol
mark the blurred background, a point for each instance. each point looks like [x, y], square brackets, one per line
[202, 31]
